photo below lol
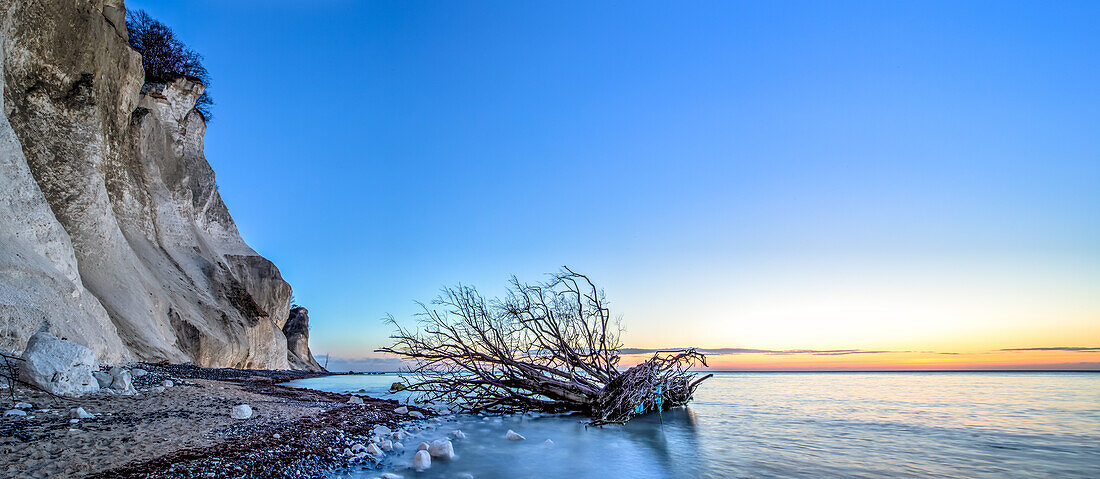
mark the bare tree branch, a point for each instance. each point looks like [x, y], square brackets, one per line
[547, 347]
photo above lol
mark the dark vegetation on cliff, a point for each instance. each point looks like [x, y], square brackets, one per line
[165, 58]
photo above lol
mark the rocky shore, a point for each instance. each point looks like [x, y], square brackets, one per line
[178, 422]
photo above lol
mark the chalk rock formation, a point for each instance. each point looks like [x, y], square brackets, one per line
[58, 366]
[112, 232]
[296, 331]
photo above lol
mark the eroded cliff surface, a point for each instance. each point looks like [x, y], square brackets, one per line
[112, 232]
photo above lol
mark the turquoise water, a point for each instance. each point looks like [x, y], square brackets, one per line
[982, 424]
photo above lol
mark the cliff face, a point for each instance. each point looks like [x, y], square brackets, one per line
[112, 232]
[296, 330]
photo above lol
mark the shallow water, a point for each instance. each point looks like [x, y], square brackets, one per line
[967, 424]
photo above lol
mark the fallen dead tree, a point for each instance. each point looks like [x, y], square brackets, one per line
[550, 347]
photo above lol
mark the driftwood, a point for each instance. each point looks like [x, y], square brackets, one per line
[550, 347]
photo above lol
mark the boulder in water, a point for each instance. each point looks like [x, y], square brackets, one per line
[61, 367]
[373, 450]
[416, 414]
[458, 434]
[382, 430]
[513, 436]
[397, 386]
[422, 446]
[401, 410]
[548, 443]
[441, 448]
[387, 446]
[390, 475]
[422, 460]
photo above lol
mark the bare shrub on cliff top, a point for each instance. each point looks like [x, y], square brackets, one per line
[165, 58]
[549, 347]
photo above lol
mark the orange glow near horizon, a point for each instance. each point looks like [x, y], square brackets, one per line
[902, 360]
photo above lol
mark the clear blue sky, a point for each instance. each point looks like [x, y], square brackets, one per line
[781, 175]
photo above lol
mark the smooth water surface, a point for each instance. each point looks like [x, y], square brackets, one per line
[964, 424]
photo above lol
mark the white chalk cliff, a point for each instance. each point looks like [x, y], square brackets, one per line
[112, 232]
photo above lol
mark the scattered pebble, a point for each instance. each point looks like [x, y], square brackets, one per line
[80, 413]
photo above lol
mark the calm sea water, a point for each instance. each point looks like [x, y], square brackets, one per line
[793, 425]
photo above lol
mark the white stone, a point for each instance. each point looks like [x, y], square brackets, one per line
[355, 400]
[80, 413]
[159, 389]
[241, 411]
[398, 445]
[277, 436]
[422, 446]
[137, 372]
[387, 446]
[373, 450]
[25, 405]
[73, 421]
[548, 443]
[441, 448]
[358, 447]
[422, 460]
[58, 366]
[458, 434]
[513, 436]
[15, 412]
[121, 379]
[390, 475]
[416, 414]
[398, 435]
[168, 383]
[382, 430]
[401, 410]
